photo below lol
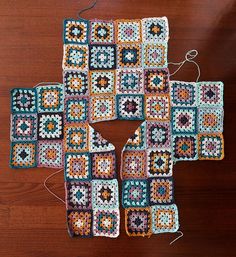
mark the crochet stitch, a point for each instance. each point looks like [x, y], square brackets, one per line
[117, 70]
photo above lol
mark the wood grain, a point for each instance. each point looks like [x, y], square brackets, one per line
[32, 222]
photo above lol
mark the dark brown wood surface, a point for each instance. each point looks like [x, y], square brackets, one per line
[32, 222]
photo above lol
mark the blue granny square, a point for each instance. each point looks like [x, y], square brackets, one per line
[183, 93]
[23, 154]
[159, 162]
[76, 31]
[76, 83]
[102, 108]
[23, 100]
[50, 125]
[130, 107]
[134, 193]
[161, 191]
[77, 166]
[165, 219]
[184, 120]
[78, 195]
[210, 94]
[101, 32]
[24, 127]
[158, 134]
[210, 120]
[105, 194]
[102, 57]
[128, 31]
[211, 146]
[50, 153]
[157, 107]
[184, 147]
[129, 81]
[103, 165]
[156, 81]
[154, 55]
[75, 57]
[129, 56]
[102, 82]
[50, 98]
[76, 109]
[76, 137]
[155, 29]
[138, 221]
[106, 222]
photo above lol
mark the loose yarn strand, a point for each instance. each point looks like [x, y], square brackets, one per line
[46, 83]
[87, 8]
[178, 237]
[48, 189]
[189, 56]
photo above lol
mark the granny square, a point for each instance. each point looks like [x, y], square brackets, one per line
[155, 29]
[134, 193]
[76, 31]
[101, 32]
[102, 82]
[50, 154]
[77, 166]
[50, 125]
[102, 57]
[76, 83]
[97, 143]
[105, 194]
[106, 222]
[23, 127]
[184, 120]
[183, 93]
[138, 140]
[159, 163]
[161, 191]
[130, 107]
[158, 134]
[104, 165]
[129, 81]
[210, 94]
[165, 218]
[50, 98]
[102, 108]
[210, 120]
[184, 147]
[210, 146]
[76, 109]
[133, 164]
[156, 81]
[138, 221]
[23, 100]
[78, 195]
[128, 31]
[129, 56]
[23, 154]
[154, 55]
[76, 138]
[157, 107]
[80, 223]
[75, 57]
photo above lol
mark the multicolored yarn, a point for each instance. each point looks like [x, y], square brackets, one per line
[102, 32]
[23, 127]
[117, 70]
[50, 154]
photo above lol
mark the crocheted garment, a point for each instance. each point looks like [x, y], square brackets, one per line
[117, 70]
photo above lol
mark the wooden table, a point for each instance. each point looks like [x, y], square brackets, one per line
[32, 222]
